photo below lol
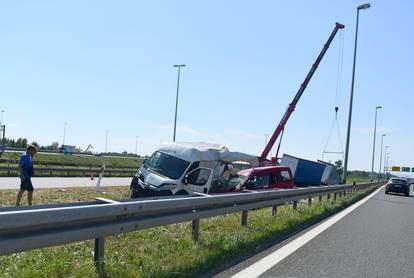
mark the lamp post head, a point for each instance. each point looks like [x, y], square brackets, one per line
[179, 66]
[378, 107]
[364, 6]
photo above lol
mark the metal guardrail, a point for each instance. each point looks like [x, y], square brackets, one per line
[28, 228]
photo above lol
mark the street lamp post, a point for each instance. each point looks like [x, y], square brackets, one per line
[373, 144]
[380, 168]
[64, 132]
[1, 118]
[386, 154]
[360, 7]
[176, 98]
[106, 141]
[136, 145]
[266, 136]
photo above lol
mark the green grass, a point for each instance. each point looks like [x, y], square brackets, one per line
[359, 179]
[77, 159]
[166, 251]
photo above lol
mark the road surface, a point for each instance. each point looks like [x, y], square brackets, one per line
[14, 182]
[374, 240]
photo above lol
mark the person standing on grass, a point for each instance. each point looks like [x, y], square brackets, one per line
[26, 174]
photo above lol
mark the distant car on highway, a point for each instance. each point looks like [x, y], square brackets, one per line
[398, 185]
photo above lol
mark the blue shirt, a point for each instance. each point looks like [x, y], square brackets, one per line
[27, 165]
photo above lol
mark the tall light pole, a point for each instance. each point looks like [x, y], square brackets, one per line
[386, 156]
[348, 134]
[136, 145]
[64, 132]
[176, 98]
[382, 146]
[106, 141]
[266, 136]
[373, 144]
[1, 118]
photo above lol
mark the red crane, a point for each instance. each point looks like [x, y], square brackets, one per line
[292, 105]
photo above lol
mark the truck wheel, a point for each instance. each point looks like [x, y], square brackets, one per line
[134, 188]
[134, 194]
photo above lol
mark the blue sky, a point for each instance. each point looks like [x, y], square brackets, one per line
[107, 65]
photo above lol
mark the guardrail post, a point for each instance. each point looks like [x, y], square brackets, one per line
[335, 196]
[98, 254]
[310, 201]
[328, 197]
[244, 218]
[344, 193]
[340, 194]
[195, 229]
[320, 198]
[274, 210]
[295, 205]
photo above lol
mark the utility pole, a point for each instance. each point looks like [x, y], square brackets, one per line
[176, 98]
[348, 134]
[373, 145]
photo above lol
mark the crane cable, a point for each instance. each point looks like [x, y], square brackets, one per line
[335, 122]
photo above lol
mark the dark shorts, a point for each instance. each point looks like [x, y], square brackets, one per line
[27, 185]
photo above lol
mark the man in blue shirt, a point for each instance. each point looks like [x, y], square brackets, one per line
[26, 173]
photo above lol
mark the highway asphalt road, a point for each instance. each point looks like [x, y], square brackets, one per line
[14, 182]
[374, 240]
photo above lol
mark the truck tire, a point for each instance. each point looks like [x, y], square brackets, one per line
[134, 188]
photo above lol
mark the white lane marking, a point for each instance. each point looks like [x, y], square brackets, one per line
[263, 265]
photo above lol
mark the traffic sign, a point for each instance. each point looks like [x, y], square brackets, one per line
[396, 168]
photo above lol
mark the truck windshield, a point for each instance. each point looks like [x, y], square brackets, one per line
[166, 165]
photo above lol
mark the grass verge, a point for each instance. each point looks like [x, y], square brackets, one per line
[168, 251]
[76, 159]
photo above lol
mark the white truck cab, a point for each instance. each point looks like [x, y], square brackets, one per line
[185, 168]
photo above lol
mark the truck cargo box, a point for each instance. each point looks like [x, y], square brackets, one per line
[305, 172]
[330, 175]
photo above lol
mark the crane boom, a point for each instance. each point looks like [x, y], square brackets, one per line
[302, 88]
